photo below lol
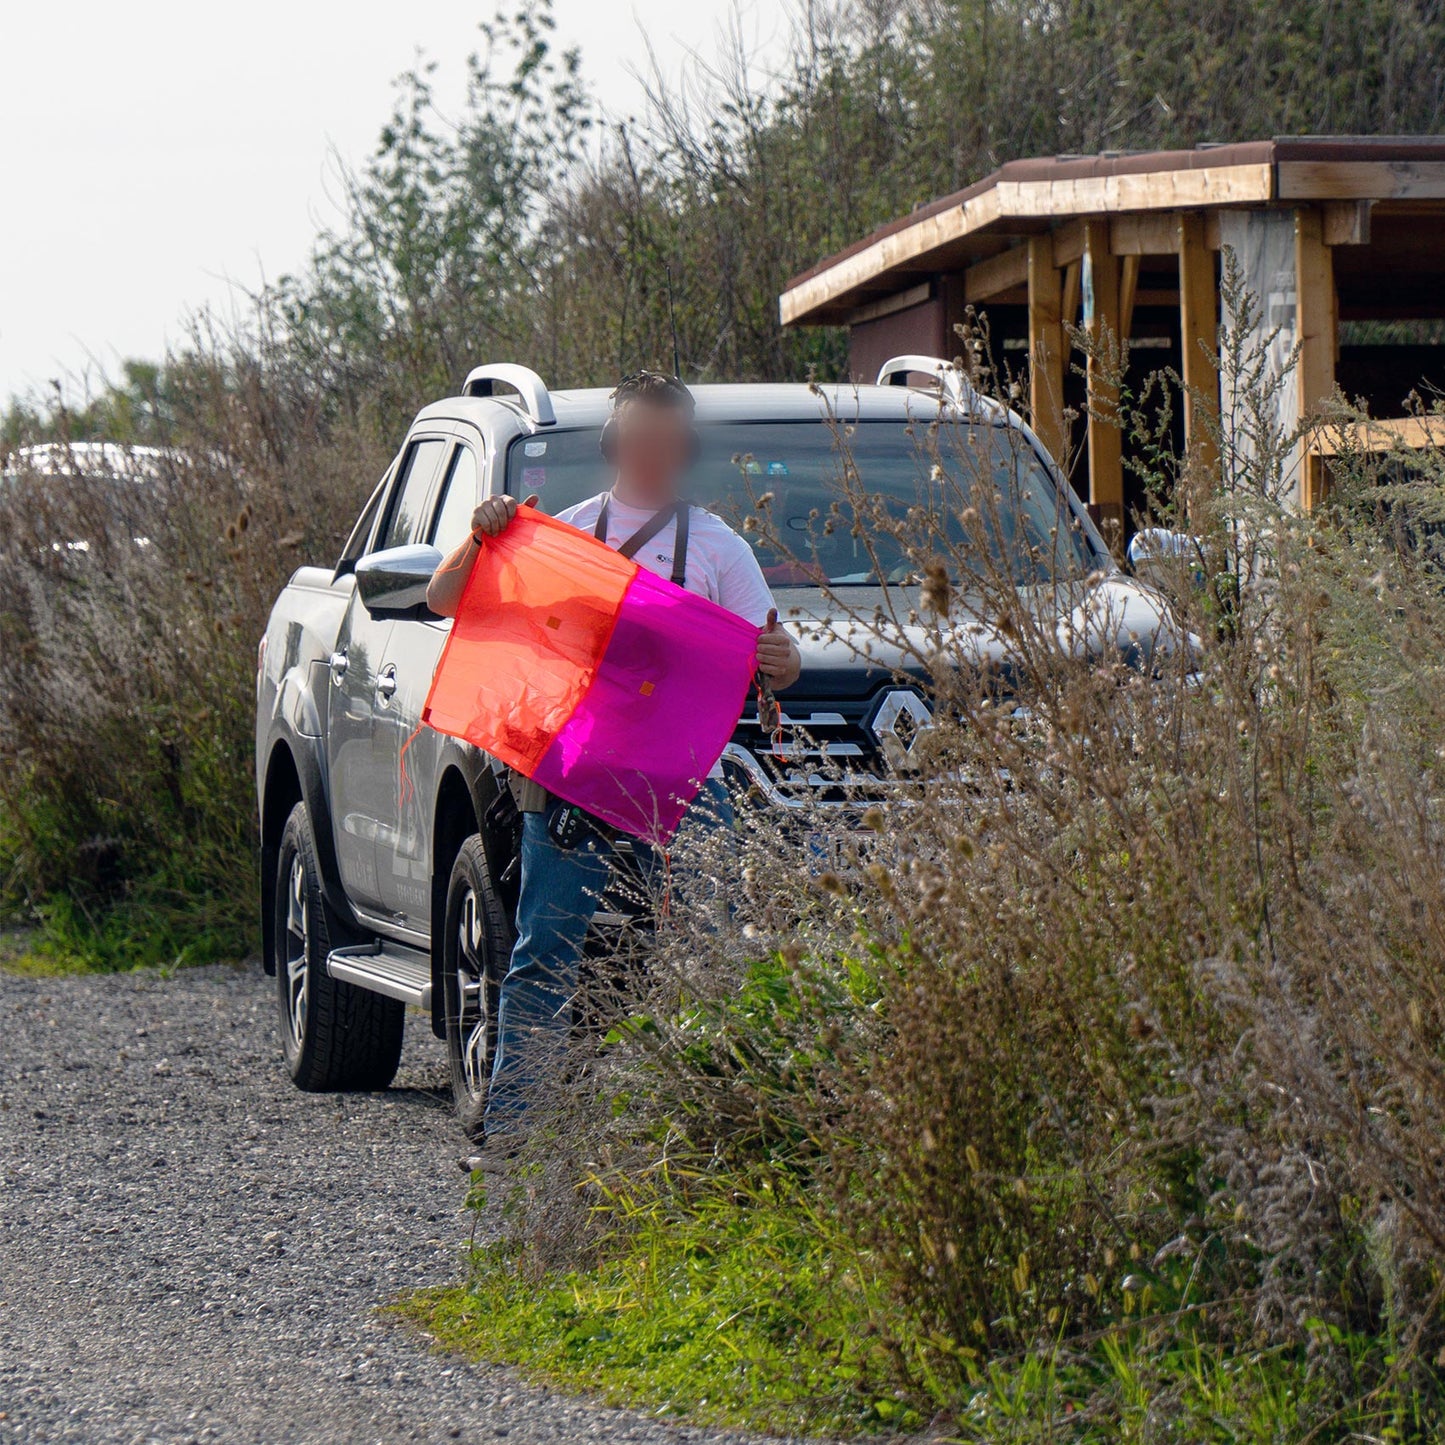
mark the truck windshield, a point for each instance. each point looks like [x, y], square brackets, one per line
[801, 467]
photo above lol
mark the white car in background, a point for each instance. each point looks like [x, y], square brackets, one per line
[70, 494]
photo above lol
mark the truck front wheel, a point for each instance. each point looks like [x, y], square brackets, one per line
[333, 1034]
[476, 949]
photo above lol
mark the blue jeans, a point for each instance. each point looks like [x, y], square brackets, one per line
[560, 890]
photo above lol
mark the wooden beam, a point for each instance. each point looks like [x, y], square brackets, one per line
[1048, 348]
[824, 295]
[1361, 180]
[1128, 290]
[1347, 223]
[1199, 340]
[890, 305]
[898, 248]
[1378, 435]
[1101, 316]
[1187, 188]
[1070, 308]
[1068, 242]
[1144, 235]
[1143, 296]
[993, 276]
[1315, 323]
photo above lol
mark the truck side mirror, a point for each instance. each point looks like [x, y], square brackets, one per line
[1157, 556]
[393, 583]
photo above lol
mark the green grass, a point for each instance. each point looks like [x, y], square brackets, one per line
[150, 928]
[733, 1312]
[135, 934]
[188, 899]
[22, 952]
[747, 1307]
[166, 919]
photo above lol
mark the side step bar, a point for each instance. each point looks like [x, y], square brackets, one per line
[389, 969]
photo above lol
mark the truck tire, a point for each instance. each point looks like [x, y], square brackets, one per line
[476, 950]
[333, 1035]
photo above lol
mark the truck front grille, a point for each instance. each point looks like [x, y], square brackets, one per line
[829, 752]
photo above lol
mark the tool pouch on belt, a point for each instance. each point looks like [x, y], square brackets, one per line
[570, 825]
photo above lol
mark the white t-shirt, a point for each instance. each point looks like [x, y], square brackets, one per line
[720, 565]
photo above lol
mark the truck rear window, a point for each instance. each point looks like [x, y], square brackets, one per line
[801, 465]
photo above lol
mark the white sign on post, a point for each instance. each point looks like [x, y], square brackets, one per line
[1262, 406]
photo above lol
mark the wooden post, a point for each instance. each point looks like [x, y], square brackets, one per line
[1315, 323]
[1128, 291]
[1101, 315]
[1047, 348]
[1199, 340]
[1070, 310]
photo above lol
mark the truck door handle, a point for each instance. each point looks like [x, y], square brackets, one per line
[339, 663]
[386, 683]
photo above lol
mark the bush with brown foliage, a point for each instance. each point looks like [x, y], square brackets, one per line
[131, 614]
[1127, 1014]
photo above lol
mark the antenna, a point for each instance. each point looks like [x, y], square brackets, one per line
[672, 322]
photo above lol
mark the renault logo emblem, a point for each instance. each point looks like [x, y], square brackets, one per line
[901, 718]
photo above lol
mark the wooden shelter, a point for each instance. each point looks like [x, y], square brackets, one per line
[1331, 233]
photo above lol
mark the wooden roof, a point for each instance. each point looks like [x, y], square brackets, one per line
[1029, 196]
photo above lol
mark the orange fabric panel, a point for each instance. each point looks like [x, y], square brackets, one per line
[530, 631]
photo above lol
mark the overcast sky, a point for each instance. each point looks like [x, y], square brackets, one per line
[155, 152]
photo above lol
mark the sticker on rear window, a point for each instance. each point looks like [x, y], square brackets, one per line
[534, 478]
[535, 449]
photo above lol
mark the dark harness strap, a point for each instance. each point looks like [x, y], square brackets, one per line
[679, 547]
[644, 534]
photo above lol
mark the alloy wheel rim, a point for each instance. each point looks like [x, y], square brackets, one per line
[472, 1012]
[298, 949]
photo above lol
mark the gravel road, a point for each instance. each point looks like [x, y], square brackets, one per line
[190, 1249]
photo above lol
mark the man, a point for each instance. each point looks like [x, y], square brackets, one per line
[650, 441]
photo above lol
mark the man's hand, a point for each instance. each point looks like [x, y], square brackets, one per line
[445, 589]
[778, 657]
[494, 516]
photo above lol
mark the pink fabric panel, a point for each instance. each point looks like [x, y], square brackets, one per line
[659, 712]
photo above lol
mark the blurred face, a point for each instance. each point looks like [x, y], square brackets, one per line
[654, 444]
